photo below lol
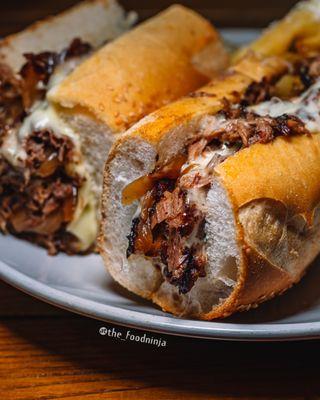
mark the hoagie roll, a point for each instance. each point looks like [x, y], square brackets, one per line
[56, 154]
[211, 204]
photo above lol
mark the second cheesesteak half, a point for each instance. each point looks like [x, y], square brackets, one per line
[52, 155]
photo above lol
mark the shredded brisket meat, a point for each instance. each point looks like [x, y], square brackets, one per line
[162, 230]
[303, 73]
[11, 106]
[247, 128]
[77, 48]
[257, 92]
[46, 152]
[40, 200]
[38, 69]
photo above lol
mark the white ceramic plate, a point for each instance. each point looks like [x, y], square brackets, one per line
[81, 285]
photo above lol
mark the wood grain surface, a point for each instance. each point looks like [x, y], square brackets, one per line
[46, 353]
[50, 354]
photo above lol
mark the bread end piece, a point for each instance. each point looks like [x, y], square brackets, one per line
[94, 21]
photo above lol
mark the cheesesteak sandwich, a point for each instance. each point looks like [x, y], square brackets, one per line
[211, 204]
[59, 124]
[36, 191]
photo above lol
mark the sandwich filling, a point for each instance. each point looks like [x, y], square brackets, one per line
[42, 176]
[169, 227]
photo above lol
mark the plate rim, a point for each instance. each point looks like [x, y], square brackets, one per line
[168, 325]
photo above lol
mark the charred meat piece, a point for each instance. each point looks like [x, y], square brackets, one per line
[38, 69]
[246, 127]
[185, 265]
[257, 92]
[46, 152]
[308, 71]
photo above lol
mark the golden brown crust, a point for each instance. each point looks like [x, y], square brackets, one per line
[142, 70]
[261, 170]
[157, 127]
[260, 281]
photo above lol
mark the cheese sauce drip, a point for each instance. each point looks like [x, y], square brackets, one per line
[306, 107]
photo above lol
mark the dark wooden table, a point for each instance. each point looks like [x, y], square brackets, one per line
[50, 354]
[16, 14]
[46, 353]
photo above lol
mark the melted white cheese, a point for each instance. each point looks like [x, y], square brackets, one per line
[212, 156]
[63, 70]
[85, 224]
[306, 107]
[202, 161]
[11, 149]
[44, 117]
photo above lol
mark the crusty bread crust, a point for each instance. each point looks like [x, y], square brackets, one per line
[94, 21]
[260, 172]
[159, 128]
[155, 63]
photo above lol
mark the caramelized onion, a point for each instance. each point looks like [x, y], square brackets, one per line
[48, 167]
[138, 188]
